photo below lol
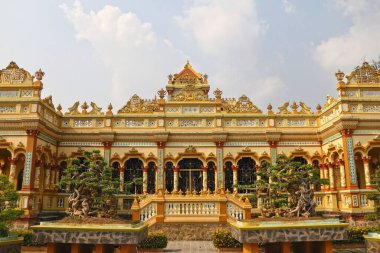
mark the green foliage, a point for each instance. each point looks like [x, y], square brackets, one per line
[8, 198]
[224, 239]
[132, 185]
[155, 240]
[371, 216]
[94, 187]
[27, 235]
[287, 177]
[375, 182]
[355, 234]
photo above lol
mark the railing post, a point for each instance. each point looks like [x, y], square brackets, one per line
[135, 210]
[223, 210]
[247, 209]
[160, 216]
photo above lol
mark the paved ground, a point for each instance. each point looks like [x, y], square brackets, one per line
[205, 247]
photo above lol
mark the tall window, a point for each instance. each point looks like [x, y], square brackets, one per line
[246, 171]
[115, 170]
[316, 167]
[20, 178]
[133, 171]
[151, 178]
[228, 177]
[169, 177]
[300, 159]
[211, 176]
[190, 175]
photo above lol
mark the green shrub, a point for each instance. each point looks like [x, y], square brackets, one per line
[371, 216]
[27, 234]
[355, 234]
[155, 240]
[4, 229]
[224, 239]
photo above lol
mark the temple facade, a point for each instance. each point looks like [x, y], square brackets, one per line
[190, 141]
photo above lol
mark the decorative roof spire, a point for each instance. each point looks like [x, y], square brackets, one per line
[39, 74]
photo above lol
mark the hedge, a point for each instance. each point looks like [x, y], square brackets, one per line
[155, 240]
[224, 239]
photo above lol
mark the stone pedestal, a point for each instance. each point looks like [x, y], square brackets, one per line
[314, 236]
[10, 244]
[89, 238]
[372, 242]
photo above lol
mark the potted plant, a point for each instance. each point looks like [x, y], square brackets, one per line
[224, 242]
[155, 242]
[8, 213]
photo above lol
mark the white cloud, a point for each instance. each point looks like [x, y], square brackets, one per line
[288, 7]
[136, 57]
[228, 35]
[361, 40]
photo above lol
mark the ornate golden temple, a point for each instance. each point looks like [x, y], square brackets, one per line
[188, 145]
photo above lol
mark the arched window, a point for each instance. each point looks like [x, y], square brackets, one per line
[228, 177]
[300, 159]
[246, 171]
[151, 178]
[133, 172]
[190, 175]
[360, 175]
[211, 176]
[115, 170]
[169, 177]
[20, 178]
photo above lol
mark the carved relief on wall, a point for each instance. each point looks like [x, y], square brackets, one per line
[189, 95]
[329, 101]
[242, 105]
[12, 74]
[138, 105]
[364, 74]
[187, 76]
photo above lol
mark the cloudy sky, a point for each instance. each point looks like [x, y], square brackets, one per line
[273, 51]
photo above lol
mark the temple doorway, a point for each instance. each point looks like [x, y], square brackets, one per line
[190, 175]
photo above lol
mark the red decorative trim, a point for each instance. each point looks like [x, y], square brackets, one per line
[107, 144]
[272, 144]
[346, 132]
[33, 133]
[219, 144]
[161, 144]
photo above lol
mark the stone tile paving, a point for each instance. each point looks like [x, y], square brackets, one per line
[207, 247]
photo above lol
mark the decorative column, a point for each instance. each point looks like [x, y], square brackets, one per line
[342, 174]
[107, 151]
[219, 162]
[349, 159]
[273, 151]
[52, 176]
[145, 179]
[321, 174]
[37, 174]
[12, 172]
[121, 170]
[160, 167]
[31, 142]
[331, 176]
[176, 170]
[326, 175]
[47, 176]
[235, 177]
[366, 172]
[204, 178]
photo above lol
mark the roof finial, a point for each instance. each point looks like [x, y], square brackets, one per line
[187, 64]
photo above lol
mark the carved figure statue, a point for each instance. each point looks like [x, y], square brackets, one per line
[73, 110]
[95, 109]
[305, 109]
[284, 109]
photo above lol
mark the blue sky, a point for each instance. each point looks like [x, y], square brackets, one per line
[272, 51]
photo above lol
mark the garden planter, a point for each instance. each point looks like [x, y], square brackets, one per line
[11, 244]
[143, 250]
[226, 250]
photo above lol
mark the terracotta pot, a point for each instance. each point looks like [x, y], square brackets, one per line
[142, 250]
[227, 250]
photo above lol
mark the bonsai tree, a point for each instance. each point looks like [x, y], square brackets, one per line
[92, 186]
[8, 198]
[289, 187]
[133, 184]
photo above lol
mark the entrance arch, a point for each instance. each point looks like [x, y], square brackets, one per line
[190, 175]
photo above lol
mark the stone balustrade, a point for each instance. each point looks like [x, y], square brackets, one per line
[191, 208]
[148, 211]
[234, 211]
